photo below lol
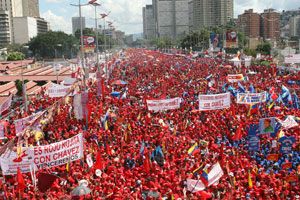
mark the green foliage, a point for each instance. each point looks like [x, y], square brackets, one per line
[45, 45]
[13, 56]
[199, 39]
[265, 63]
[162, 42]
[250, 52]
[19, 86]
[242, 40]
[264, 48]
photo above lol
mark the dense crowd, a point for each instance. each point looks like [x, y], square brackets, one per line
[144, 154]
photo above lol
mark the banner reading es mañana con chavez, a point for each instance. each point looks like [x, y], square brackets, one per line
[164, 104]
[41, 157]
[232, 78]
[251, 98]
[214, 102]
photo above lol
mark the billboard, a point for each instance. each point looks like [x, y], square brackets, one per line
[89, 43]
[231, 39]
[215, 40]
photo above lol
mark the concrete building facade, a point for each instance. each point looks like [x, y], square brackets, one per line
[295, 26]
[148, 22]
[171, 18]
[5, 35]
[27, 26]
[76, 24]
[208, 13]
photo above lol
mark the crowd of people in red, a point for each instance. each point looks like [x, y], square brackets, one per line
[123, 135]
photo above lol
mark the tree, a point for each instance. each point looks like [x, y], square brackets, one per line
[19, 86]
[264, 48]
[46, 45]
[196, 39]
[13, 56]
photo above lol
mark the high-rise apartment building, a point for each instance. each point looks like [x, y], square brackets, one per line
[208, 13]
[76, 24]
[295, 26]
[249, 23]
[5, 36]
[171, 18]
[25, 13]
[270, 24]
[148, 22]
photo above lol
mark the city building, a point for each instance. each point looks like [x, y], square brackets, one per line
[208, 13]
[120, 36]
[171, 18]
[31, 8]
[191, 15]
[270, 24]
[22, 15]
[76, 24]
[148, 22]
[25, 25]
[5, 35]
[249, 23]
[294, 25]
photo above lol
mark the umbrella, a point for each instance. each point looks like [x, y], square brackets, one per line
[80, 191]
[119, 82]
[115, 94]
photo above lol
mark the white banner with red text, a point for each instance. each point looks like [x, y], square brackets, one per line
[57, 90]
[214, 101]
[6, 104]
[232, 78]
[164, 104]
[41, 157]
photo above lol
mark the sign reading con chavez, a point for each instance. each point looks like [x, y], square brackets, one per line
[214, 102]
[41, 157]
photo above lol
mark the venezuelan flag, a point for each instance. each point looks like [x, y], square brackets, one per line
[193, 148]
[204, 176]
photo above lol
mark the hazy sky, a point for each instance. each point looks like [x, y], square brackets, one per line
[127, 14]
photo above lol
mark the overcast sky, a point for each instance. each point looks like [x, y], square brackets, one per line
[127, 14]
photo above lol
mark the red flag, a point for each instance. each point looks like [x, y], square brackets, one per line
[238, 133]
[99, 162]
[45, 181]
[20, 180]
[147, 165]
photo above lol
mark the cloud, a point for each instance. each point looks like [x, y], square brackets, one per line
[126, 15]
[57, 23]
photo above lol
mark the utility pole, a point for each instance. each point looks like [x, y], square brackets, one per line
[95, 4]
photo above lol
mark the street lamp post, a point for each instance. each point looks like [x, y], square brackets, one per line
[103, 16]
[23, 84]
[95, 4]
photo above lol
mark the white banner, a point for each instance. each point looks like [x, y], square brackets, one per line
[6, 104]
[291, 59]
[165, 104]
[213, 177]
[289, 122]
[41, 157]
[57, 90]
[215, 174]
[21, 124]
[77, 105]
[214, 101]
[251, 98]
[194, 185]
[1, 130]
[232, 78]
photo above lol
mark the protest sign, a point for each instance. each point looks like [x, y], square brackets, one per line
[1, 130]
[286, 144]
[289, 122]
[41, 157]
[21, 124]
[251, 98]
[232, 78]
[214, 102]
[165, 104]
[57, 90]
[273, 157]
[267, 125]
[253, 143]
[6, 104]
